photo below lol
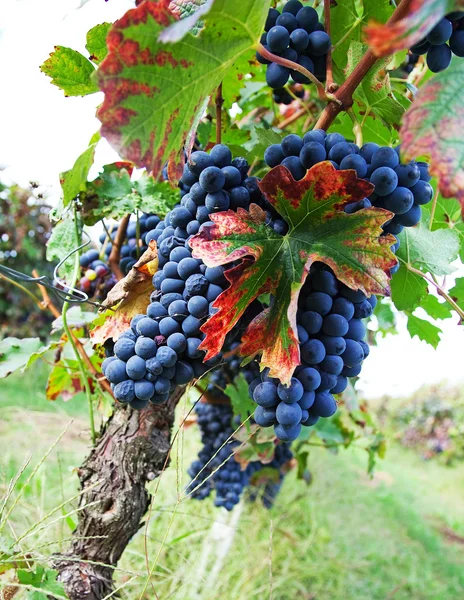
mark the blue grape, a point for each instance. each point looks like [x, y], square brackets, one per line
[148, 327]
[116, 371]
[265, 394]
[178, 342]
[144, 389]
[124, 348]
[124, 391]
[145, 347]
[212, 179]
[135, 368]
[288, 414]
[166, 356]
[324, 405]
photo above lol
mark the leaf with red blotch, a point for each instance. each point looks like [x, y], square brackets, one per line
[433, 127]
[131, 295]
[319, 230]
[422, 17]
[154, 91]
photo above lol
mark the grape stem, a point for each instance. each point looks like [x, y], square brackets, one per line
[23, 289]
[323, 95]
[344, 95]
[433, 208]
[219, 103]
[330, 86]
[115, 254]
[443, 293]
[357, 129]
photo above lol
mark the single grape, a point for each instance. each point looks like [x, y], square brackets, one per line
[324, 405]
[124, 348]
[278, 38]
[313, 352]
[124, 391]
[135, 367]
[307, 18]
[309, 378]
[441, 33]
[265, 394]
[115, 372]
[311, 154]
[288, 414]
[399, 201]
[439, 58]
[277, 75]
[385, 180]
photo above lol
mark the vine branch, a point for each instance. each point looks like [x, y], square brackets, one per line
[443, 293]
[329, 82]
[115, 254]
[343, 97]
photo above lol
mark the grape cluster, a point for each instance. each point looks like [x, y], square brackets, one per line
[97, 279]
[268, 493]
[162, 348]
[332, 348]
[297, 35]
[216, 467]
[283, 95]
[399, 187]
[445, 39]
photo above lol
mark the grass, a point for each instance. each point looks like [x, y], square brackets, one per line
[345, 537]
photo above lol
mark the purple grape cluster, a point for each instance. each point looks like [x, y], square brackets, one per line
[444, 40]
[297, 35]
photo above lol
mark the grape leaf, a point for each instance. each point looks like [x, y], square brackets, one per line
[74, 181]
[424, 330]
[154, 91]
[41, 579]
[436, 309]
[422, 16]
[65, 381]
[433, 127]
[70, 71]
[130, 296]
[185, 8]
[429, 251]
[16, 354]
[61, 242]
[408, 289]
[447, 215]
[375, 93]
[457, 292]
[319, 230]
[96, 42]
[242, 404]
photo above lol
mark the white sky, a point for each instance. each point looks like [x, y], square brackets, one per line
[42, 133]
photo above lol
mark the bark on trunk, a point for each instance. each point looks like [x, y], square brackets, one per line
[133, 449]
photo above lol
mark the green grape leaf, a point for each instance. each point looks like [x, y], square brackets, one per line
[70, 71]
[457, 292]
[429, 251]
[386, 319]
[375, 94]
[15, 353]
[96, 42]
[74, 181]
[433, 127]
[347, 21]
[154, 92]
[424, 330]
[319, 230]
[422, 16]
[41, 579]
[242, 404]
[446, 215]
[408, 289]
[113, 194]
[436, 309]
[60, 244]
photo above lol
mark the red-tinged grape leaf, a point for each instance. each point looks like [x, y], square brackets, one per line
[64, 381]
[154, 91]
[319, 230]
[433, 127]
[422, 16]
[70, 71]
[128, 298]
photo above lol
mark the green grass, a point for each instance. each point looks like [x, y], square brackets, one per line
[345, 537]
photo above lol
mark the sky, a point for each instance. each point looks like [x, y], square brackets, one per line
[42, 133]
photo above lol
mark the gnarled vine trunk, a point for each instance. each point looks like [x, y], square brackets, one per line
[133, 448]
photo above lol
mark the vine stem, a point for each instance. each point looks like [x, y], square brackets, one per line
[323, 95]
[85, 379]
[115, 254]
[219, 103]
[440, 290]
[329, 82]
[23, 289]
[343, 97]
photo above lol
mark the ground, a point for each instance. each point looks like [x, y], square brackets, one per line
[346, 536]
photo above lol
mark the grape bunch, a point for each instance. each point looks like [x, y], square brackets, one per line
[268, 492]
[445, 39]
[97, 279]
[297, 35]
[216, 467]
[161, 349]
[283, 95]
[332, 348]
[401, 188]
